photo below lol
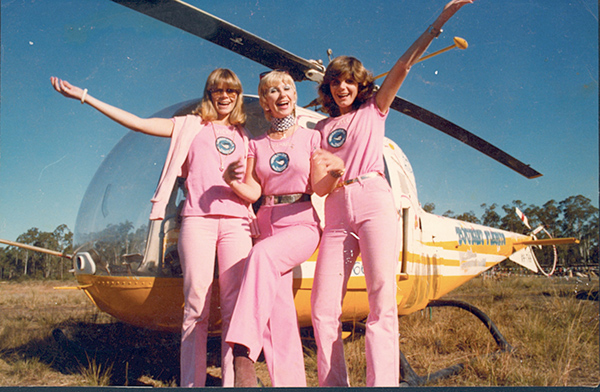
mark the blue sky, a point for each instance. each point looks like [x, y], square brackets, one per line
[528, 83]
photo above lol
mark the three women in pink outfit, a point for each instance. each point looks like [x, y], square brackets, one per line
[226, 172]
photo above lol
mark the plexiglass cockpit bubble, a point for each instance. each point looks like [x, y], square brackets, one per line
[113, 234]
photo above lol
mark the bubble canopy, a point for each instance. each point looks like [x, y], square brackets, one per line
[113, 219]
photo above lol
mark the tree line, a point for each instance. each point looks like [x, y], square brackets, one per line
[573, 217]
[18, 263]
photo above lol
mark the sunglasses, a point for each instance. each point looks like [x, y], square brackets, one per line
[220, 91]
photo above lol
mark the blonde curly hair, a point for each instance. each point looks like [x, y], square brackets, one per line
[272, 79]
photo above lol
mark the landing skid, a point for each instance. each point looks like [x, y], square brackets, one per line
[500, 340]
[408, 376]
[411, 378]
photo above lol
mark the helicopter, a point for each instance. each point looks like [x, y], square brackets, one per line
[128, 267]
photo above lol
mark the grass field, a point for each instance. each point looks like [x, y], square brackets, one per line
[57, 338]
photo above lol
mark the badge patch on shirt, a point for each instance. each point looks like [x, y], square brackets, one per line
[225, 145]
[337, 138]
[279, 161]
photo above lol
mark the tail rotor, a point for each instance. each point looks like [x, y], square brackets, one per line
[534, 234]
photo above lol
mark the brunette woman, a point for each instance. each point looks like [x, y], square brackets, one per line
[279, 169]
[360, 217]
[214, 218]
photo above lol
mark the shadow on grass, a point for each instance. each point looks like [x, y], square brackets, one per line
[129, 352]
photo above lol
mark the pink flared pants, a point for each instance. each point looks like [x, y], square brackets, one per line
[265, 315]
[359, 218]
[199, 239]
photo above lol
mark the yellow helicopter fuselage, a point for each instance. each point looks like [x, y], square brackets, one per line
[426, 271]
[435, 254]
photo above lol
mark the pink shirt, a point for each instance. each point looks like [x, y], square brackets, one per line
[283, 166]
[211, 151]
[357, 138]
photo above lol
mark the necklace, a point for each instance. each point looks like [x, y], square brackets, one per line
[289, 144]
[281, 124]
[224, 145]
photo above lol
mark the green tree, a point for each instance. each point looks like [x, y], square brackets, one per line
[548, 216]
[468, 217]
[113, 242]
[64, 241]
[580, 220]
[3, 262]
[28, 258]
[47, 240]
[8, 263]
[510, 221]
[429, 207]
[490, 217]
[449, 214]
[19, 262]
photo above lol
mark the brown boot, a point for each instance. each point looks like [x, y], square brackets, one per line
[243, 368]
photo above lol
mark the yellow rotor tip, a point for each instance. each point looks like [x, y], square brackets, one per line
[460, 43]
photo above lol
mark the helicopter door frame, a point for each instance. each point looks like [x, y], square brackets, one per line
[403, 214]
[404, 251]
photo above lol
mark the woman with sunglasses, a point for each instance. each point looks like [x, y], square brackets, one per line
[279, 170]
[214, 218]
[360, 216]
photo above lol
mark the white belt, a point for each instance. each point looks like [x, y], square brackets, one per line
[359, 178]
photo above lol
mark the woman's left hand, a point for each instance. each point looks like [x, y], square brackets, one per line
[329, 163]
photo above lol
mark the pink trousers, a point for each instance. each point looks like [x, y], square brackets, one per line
[359, 218]
[265, 315]
[199, 239]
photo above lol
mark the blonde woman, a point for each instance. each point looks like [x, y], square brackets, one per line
[214, 219]
[279, 169]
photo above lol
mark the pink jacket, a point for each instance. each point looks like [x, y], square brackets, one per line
[184, 133]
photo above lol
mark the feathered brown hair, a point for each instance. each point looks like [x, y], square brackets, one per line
[343, 67]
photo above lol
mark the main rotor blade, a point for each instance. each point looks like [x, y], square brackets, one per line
[204, 25]
[449, 128]
[35, 248]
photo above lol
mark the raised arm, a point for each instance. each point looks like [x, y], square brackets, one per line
[249, 188]
[390, 86]
[150, 126]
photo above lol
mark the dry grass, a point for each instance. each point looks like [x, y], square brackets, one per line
[29, 312]
[554, 334]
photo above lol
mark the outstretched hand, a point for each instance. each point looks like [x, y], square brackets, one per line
[390, 86]
[456, 4]
[66, 88]
[452, 7]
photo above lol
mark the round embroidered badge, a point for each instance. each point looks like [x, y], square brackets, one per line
[279, 161]
[337, 138]
[225, 145]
